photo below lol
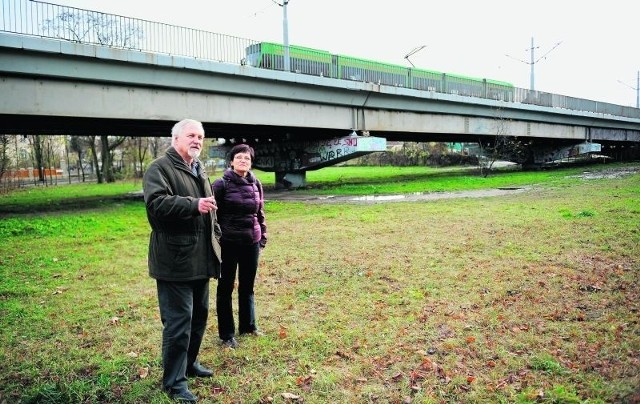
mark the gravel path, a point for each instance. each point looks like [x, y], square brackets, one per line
[432, 196]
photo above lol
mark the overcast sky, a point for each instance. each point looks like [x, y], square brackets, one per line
[596, 55]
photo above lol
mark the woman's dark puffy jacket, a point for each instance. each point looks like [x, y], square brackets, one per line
[240, 208]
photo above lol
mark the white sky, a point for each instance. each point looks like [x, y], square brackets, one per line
[598, 57]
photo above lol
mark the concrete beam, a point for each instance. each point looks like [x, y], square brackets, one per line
[41, 77]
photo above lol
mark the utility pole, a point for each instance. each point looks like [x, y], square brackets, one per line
[636, 88]
[533, 61]
[532, 80]
[285, 34]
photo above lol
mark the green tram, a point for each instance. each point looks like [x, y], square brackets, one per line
[269, 55]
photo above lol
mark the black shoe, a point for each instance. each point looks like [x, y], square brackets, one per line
[182, 395]
[230, 343]
[197, 370]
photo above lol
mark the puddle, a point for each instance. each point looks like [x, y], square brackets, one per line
[412, 197]
[381, 198]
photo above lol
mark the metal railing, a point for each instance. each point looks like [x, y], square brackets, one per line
[48, 20]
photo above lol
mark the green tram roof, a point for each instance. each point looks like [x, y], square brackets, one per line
[318, 55]
[389, 67]
[294, 51]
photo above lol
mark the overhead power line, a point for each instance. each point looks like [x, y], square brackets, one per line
[636, 88]
[413, 52]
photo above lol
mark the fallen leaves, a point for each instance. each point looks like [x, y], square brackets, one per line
[590, 288]
[216, 390]
[290, 396]
[512, 378]
[344, 355]
[143, 372]
[59, 290]
[304, 382]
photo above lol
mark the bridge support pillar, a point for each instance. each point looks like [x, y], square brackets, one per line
[291, 160]
[554, 153]
[285, 180]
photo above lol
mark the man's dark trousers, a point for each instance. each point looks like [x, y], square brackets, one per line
[184, 308]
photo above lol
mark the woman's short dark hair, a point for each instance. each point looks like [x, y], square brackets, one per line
[241, 148]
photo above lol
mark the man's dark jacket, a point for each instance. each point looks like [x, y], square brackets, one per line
[184, 244]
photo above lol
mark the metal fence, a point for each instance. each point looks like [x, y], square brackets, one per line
[36, 18]
[28, 17]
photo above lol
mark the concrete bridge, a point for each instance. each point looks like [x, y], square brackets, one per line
[51, 86]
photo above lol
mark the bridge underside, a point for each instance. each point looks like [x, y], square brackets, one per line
[616, 144]
[83, 126]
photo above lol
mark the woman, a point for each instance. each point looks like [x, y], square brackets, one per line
[244, 235]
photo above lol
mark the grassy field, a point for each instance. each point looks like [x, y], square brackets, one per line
[531, 297]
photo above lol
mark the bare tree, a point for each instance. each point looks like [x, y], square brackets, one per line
[415, 153]
[108, 145]
[93, 27]
[157, 144]
[49, 157]
[4, 155]
[91, 142]
[78, 145]
[37, 154]
[103, 29]
[138, 148]
[501, 146]
[141, 149]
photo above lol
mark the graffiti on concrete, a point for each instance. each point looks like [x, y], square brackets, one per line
[310, 155]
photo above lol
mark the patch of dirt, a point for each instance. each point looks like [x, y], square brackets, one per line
[414, 197]
[609, 173]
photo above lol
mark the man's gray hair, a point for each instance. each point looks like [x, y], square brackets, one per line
[178, 128]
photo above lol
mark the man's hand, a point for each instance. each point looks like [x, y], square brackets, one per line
[206, 205]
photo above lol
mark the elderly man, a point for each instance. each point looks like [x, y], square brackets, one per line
[184, 253]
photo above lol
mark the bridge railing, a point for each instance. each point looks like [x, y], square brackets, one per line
[37, 18]
[47, 20]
